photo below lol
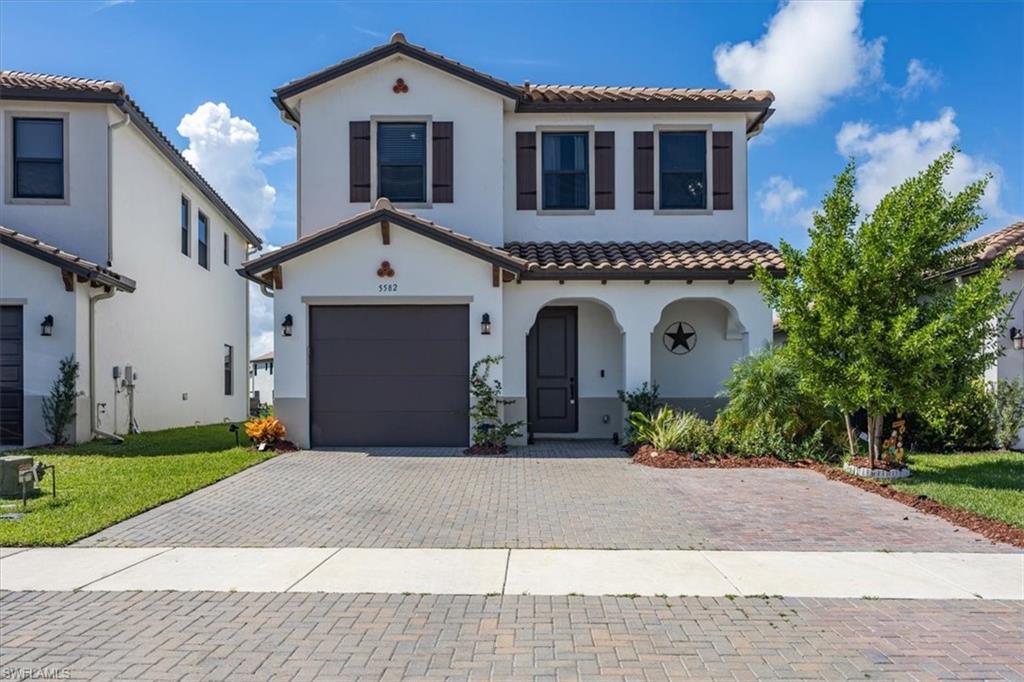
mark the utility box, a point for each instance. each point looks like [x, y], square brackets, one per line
[11, 469]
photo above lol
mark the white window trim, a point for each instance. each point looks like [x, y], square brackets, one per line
[591, 175]
[9, 197]
[709, 191]
[428, 192]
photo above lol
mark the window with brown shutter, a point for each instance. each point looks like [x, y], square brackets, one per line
[526, 171]
[604, 170]
[721, 169]
[443, 170]
[643, 170]
[359, 161]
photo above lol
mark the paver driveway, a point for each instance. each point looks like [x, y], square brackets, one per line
[252, 636]
[567, 495]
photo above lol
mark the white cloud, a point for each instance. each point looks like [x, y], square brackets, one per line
[279, 155]
[225, 149]
[779, 194]
[919, 78]
[811, 53]
[888, 157]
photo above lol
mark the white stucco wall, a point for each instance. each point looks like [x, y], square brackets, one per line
[261, 380]
[361, 96]
[38, 288]
[173, 328]
[78, 224]
[345, 273]
[699, 373]
[623, 223]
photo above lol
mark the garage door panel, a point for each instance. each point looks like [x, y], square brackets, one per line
[400, 322]
[392, 394]
[389, 375]
[358, 429]
[391, 357]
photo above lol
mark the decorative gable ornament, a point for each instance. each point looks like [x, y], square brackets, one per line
[400, 87]
[679, 338]
[385, 270]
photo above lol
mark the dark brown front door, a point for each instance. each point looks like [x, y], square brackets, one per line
[12, 386]
[551, 368]
[389, 375]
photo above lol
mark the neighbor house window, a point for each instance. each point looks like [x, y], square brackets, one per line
[226, 249]
[229, 363]
[203, 229]
[683, 167]
[186, 232]
[402, 162]
[565, 168]
[38, 158]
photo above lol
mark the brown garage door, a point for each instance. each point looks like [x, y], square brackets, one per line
[389, 375]
[12, 396]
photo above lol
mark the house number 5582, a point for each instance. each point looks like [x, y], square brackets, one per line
[387, 288]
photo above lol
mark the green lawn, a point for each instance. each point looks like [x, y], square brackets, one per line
[987, 483]
[100, 483]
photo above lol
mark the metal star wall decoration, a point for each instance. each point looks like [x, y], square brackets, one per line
[680, 338]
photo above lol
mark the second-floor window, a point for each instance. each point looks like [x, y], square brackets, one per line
[565, 171]
[402, 162]
[227, 260]
[203, 229]
[186, 232]
[683, 170]
[38, 158]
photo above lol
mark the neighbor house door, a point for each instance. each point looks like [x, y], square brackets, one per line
[551, 369]
[12, 386]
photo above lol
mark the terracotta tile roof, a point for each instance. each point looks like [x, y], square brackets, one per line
[42, 81]
[580, 94]
[1010, 239]
[64, 260]
[23, 85]
[637, 260]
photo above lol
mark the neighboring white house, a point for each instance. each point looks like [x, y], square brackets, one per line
[594, 237]
[163, 343]
[261, 379]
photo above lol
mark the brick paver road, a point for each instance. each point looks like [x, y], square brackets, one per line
[548, 496]
[253, 636]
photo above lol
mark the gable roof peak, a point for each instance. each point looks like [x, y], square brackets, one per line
[398, 37]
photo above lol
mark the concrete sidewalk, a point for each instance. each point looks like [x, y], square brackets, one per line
[907, 575]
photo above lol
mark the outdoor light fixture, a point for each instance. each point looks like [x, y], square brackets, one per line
[485, 324]
[1017, 336]
[286, 326]
[48, 325]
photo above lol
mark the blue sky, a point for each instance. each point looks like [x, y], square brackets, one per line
[893, 83]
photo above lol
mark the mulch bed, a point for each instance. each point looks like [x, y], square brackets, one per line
[881, 464]
[670, 459]
[279, 446]
[996, 531]
[485, 450]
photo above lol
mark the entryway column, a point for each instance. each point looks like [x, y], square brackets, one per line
[636, 350]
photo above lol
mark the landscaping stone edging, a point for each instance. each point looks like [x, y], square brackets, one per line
[876, 473]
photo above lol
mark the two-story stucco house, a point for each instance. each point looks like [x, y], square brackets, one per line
[596, 238]
[114, 250]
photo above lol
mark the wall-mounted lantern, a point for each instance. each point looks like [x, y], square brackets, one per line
[485, 324]
[286, 326]
[1017, 336]
[47, 325]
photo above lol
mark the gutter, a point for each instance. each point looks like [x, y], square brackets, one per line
[110, 185]
[93, 429]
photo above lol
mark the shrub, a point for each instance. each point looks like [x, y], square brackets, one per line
[265, 430]
[59, 407]
[489, 429]
[670, 429]
[963, 421]
[1008, 412]
[643, 400]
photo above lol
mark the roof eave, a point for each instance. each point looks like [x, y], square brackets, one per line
[596, 274]
[99, 277]
[639, 106]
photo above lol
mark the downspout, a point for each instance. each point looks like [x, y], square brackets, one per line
[110, 185]
[92, 366]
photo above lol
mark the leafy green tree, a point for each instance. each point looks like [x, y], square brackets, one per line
[59, 407]
[489, 428]
[870, 321]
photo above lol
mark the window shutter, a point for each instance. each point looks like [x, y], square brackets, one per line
[604, 170]
[643, 170]
[526, 171]
[443, 170]
[359, 161]
[721, 169]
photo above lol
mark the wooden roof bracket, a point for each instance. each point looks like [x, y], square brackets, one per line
[69, 280]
